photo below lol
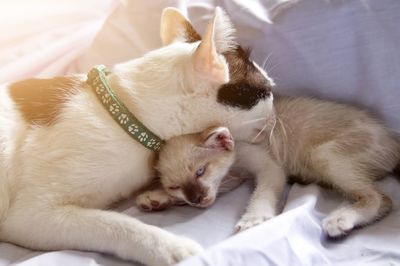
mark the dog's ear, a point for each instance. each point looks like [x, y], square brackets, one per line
[217, 138]
[175, 27]
[208, 61]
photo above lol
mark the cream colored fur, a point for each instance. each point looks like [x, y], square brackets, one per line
[56, 179]
[339, 146]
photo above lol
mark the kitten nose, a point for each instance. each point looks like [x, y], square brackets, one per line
[194, 193]
[196, 199]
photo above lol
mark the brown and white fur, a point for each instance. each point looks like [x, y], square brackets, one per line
[312, 140]
[63, 159]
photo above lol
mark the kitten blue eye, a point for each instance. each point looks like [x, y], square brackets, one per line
[200, 171]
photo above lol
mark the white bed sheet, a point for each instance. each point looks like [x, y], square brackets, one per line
[341, 50]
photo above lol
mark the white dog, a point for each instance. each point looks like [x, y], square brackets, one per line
[64, 157]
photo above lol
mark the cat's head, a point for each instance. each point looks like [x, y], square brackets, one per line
[192, 166]
[194, 82]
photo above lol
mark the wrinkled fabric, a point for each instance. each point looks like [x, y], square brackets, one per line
[295, 237]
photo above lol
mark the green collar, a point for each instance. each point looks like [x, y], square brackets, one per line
[98, 82]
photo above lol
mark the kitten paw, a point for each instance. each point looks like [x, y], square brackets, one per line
[338, 224]
[248, 221]
[153, 200]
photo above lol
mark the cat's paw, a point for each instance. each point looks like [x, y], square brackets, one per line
[176, 250]
[248, 221]
[153, 200]
[338, 224]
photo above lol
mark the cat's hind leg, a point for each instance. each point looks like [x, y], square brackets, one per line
[366, 203]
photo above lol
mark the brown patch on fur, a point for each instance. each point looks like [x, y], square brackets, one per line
[299, 180]
[242, 72]
[247, 85]
[324, 184]
[191, 34]
[239, 62]
[355, 142]
[194, 192]
[386, 206]
[397, 169]
[242, 68]
[41, 100]
[362, 198]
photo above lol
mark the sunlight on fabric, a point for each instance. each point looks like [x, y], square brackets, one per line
[45, 30]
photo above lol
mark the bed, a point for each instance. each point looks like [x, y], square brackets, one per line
[346, 51]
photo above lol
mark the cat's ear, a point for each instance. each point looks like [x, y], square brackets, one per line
[176, 27]
[209, 64]
[218, 138]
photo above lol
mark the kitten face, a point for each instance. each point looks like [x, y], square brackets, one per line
[192, 166]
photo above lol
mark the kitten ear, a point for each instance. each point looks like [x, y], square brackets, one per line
[219, 38]
[176, 27]
[217, 138]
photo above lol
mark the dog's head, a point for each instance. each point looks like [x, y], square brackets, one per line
[194, 82]
[192, 166]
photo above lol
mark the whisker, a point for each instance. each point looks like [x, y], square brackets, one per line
[261, 131]
[266, 60]
[280, 152]
[272, 130]
[272, 68]
[252, 121]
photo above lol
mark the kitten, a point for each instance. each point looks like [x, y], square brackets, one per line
[202, 157]
[314, 140]
[63, 158]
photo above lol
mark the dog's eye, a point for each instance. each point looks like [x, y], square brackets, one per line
[200, 172]
[174, 187]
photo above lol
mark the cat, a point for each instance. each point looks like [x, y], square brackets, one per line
[310, 140]
[63, 159]
[207, 155]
